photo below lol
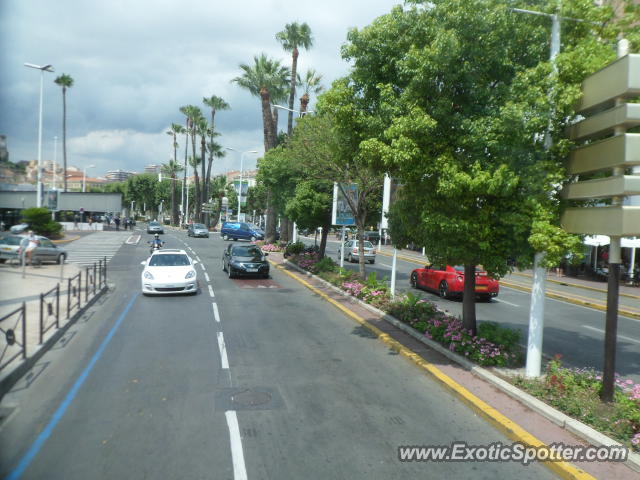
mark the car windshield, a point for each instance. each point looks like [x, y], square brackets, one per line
[367, 245]
[254, 227]
[246, 252]
[198, 225]
[460, 268]
[169, 260]
[154, 224]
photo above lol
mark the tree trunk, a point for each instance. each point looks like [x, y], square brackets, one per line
[270, 231]
[469, 299]
[304, 103]
[267, 120]
[284, 230]
[294, 67]
[290, 232]
[323, 240]
[203, 198]
[174, 207]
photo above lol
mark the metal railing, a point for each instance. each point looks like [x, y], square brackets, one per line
[95, 279]
[8, 326]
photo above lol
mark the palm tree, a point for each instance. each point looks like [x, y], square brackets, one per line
[175, 131]
[265, 76]
[261, 79]
[310, 84]
[201, 128]
[191, 112]
[65, 81]
[194, 162]
[218, 190]
[216, 104]
[171, 170]
[293, 36]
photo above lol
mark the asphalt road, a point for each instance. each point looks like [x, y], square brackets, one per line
[255, 379]
[575, 332]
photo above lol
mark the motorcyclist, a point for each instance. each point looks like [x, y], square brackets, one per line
[156, 243]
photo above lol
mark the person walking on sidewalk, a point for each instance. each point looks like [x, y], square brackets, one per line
[117, 222]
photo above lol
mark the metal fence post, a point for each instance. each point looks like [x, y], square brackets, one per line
[58, 305]
[41, 320]
[95, 279]
[24, 330]
[68, 297]
[86, 285]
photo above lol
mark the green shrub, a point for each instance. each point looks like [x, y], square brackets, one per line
[295, 248]
[39, 220]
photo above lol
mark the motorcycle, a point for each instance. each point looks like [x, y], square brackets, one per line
[155, 247]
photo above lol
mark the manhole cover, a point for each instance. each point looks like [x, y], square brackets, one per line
[250, 398]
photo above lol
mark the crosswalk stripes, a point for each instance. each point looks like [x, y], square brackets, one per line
[92, 248]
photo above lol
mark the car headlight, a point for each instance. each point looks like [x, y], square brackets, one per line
[236, 264]
[148, 275]
[190, 274]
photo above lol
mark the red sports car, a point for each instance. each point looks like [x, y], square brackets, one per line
[449, 281]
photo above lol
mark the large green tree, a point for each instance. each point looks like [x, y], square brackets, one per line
[293, 36]
[463, 93]
[65, 81]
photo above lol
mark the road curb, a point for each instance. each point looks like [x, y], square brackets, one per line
[498, 420]
[66, 240]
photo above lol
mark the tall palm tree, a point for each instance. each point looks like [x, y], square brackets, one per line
[65, 81]
[310, 84]
[171, 170]
[293, 36]
[194, 162]
[218, 190]
[260, 79]
[190, 112]
[201, 128]
[216, 104]
[174, 132]
[265, 76]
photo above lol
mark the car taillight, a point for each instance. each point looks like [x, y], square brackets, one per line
[355, 250]
[460, 278]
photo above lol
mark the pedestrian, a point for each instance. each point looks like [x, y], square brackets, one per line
[90, 221]
[31, 243]
[117, 222]
[76, 219]
[2, 225]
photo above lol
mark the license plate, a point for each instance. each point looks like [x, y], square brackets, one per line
[252, 270]
[6, 249]
[481, 288]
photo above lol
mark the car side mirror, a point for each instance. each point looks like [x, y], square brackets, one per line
[144, 262]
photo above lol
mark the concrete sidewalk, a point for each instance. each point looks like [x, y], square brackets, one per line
[513, 412]
[25, 285]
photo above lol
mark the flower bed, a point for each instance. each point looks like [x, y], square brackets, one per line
[271, 247]
[576, 393]
[492, 346]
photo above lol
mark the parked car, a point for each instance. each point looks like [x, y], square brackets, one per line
[169, 271]
[372, 235]
[245, 260]
[351, 251]
[241, 231]
[11, 248]
[197, 230]
[20, 228]
[448, 281]
[154, 227]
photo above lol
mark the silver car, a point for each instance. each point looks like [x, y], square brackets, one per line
[351, 251]
[197, 230]
[11, 247]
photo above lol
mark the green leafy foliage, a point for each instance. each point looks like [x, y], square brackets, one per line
[39, 220]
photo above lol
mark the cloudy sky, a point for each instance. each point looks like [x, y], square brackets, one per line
[136, 62]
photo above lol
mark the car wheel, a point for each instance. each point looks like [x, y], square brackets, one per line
[266, 275]
[253, 239]
[444, 289]
[485, 298]
[350, 258]
[372, 262]
[414, 280]
[229, 272]
[224, 269]
[225, 237]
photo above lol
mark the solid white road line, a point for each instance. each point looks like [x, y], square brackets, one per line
[206, 275]
[237, 455]
[504, 301]
[197, 258]
[223, 351]
[211, 291]
[202, 267]
[628, 339]
[216, 314]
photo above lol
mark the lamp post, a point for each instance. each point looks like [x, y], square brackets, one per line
[84, 178]
[45, 68]
[302, 114]
[242, 154]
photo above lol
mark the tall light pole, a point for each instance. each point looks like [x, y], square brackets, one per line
[242, 154]
[302, 114]
[45, 68]
[55, 160]
[84, 177]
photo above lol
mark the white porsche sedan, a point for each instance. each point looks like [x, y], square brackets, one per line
[169, 271]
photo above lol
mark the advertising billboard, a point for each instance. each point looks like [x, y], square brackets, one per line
[341, 212]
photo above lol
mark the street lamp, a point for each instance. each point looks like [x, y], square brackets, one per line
[242, 154]
[84, 178]
[45, 68]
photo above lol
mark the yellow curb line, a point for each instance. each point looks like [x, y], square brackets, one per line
[575, 301]
[577, 285]
[66, 240]
[498, 420]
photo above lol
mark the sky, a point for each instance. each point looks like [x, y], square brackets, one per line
[136, 62]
